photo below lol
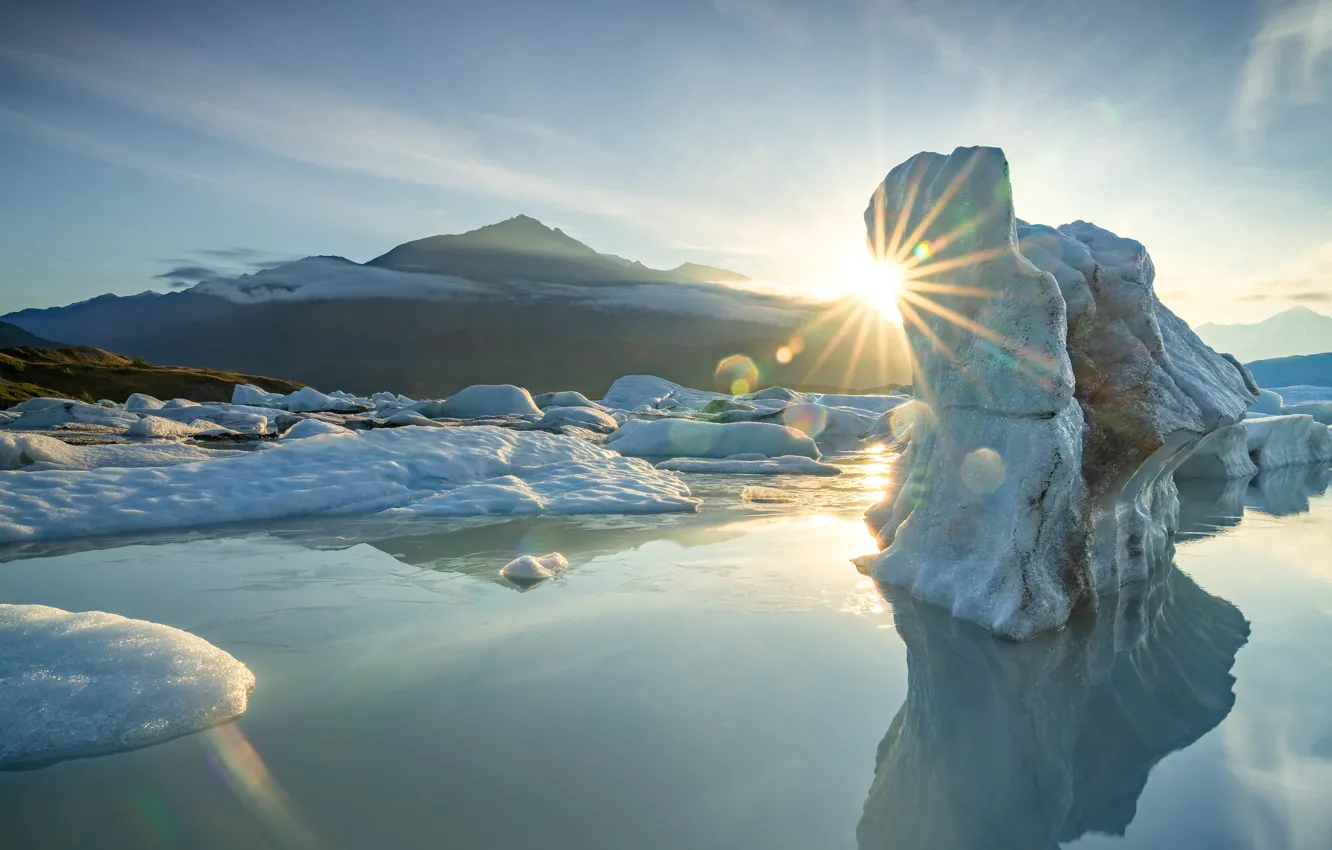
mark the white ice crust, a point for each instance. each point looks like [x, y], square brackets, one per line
[673, 438]
[438, 471]
[742, 465]
[81, 684]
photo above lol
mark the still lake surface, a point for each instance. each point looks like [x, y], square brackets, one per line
[720, 680]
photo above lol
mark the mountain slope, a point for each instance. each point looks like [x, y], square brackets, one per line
[12, 335]
[1298, 330]
[1314, 369]
[85, 372]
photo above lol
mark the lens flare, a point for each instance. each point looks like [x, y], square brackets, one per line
[923, 251]
[785, 355]
[737, 374]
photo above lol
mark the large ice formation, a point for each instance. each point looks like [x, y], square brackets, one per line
[1046, 372]
[89, 683]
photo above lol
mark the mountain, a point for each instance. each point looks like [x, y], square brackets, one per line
[522, 248]
[12, 335]
[1298, 330]
[515, 302]
[1311, 369]
[89, 373]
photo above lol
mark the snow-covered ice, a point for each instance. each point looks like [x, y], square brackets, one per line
[480, 401]
[674, 438]
[751, 465]
[1268, 403]
[66, 412]
[81, 684]
[583, 417]
[565, 398]
[258, 396]
[1288, 440]
[530, 569]
[1301, 393]
[438, 471]
[310, 400]
[1321, 411]
[634, 391]
[141, 402]
[161, 427]
[35, 452]
[313, 428]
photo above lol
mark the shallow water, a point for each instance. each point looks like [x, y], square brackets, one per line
[725, 679]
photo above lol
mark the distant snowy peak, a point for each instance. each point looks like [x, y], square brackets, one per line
[1298, 330]
[522, 248]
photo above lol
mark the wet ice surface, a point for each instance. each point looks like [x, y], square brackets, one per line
[720, 679]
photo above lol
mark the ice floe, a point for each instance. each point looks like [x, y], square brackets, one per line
[436, 471]
[751, 465]
[35, 452]
[674, 438]
[480, 401]
[82, 684]
[313, 428]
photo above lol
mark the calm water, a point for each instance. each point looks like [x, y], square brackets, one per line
[724, 680]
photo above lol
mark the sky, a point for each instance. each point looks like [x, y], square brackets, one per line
[146, 143]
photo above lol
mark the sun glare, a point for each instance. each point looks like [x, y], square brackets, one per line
[876, 283]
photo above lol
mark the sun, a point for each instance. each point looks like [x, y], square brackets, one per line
[876, 283]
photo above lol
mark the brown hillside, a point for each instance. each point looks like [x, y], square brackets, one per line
[90, 374]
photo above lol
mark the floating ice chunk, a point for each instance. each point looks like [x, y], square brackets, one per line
[140, 402]
[877, 404]
[766, 495]
[310, 400]
[406, 417]
[237, 417]
[1268, 403]
[565, 398]
[379, 469]
[584, 417]
[777, 393]
[66, 412]
[34, 452]
[90, 683]
[160, 426]
[752, 465]
[313, 428]
[530, 569]
[634, 391]
[676, 438]
[1301, 393]
[1295, 440]
[1321, 411]
[40, 403]
[178, 403]
[606, 485]
[255, 396]
[1224, 453]
[480, 401]
[822, 422]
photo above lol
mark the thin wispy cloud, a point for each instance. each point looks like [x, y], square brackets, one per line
[1285, 61]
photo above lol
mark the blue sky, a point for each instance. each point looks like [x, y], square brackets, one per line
[138, 137]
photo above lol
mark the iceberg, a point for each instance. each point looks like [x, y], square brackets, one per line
[749, 465]
[480, 401]
[252, 395]
[493, 471]
[674, 438]
[161, 427]
[1293, 440]
[1046, 370]
[311, 400]
[634, 391]
[83, 684]
[140, 402]
[530, 569]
